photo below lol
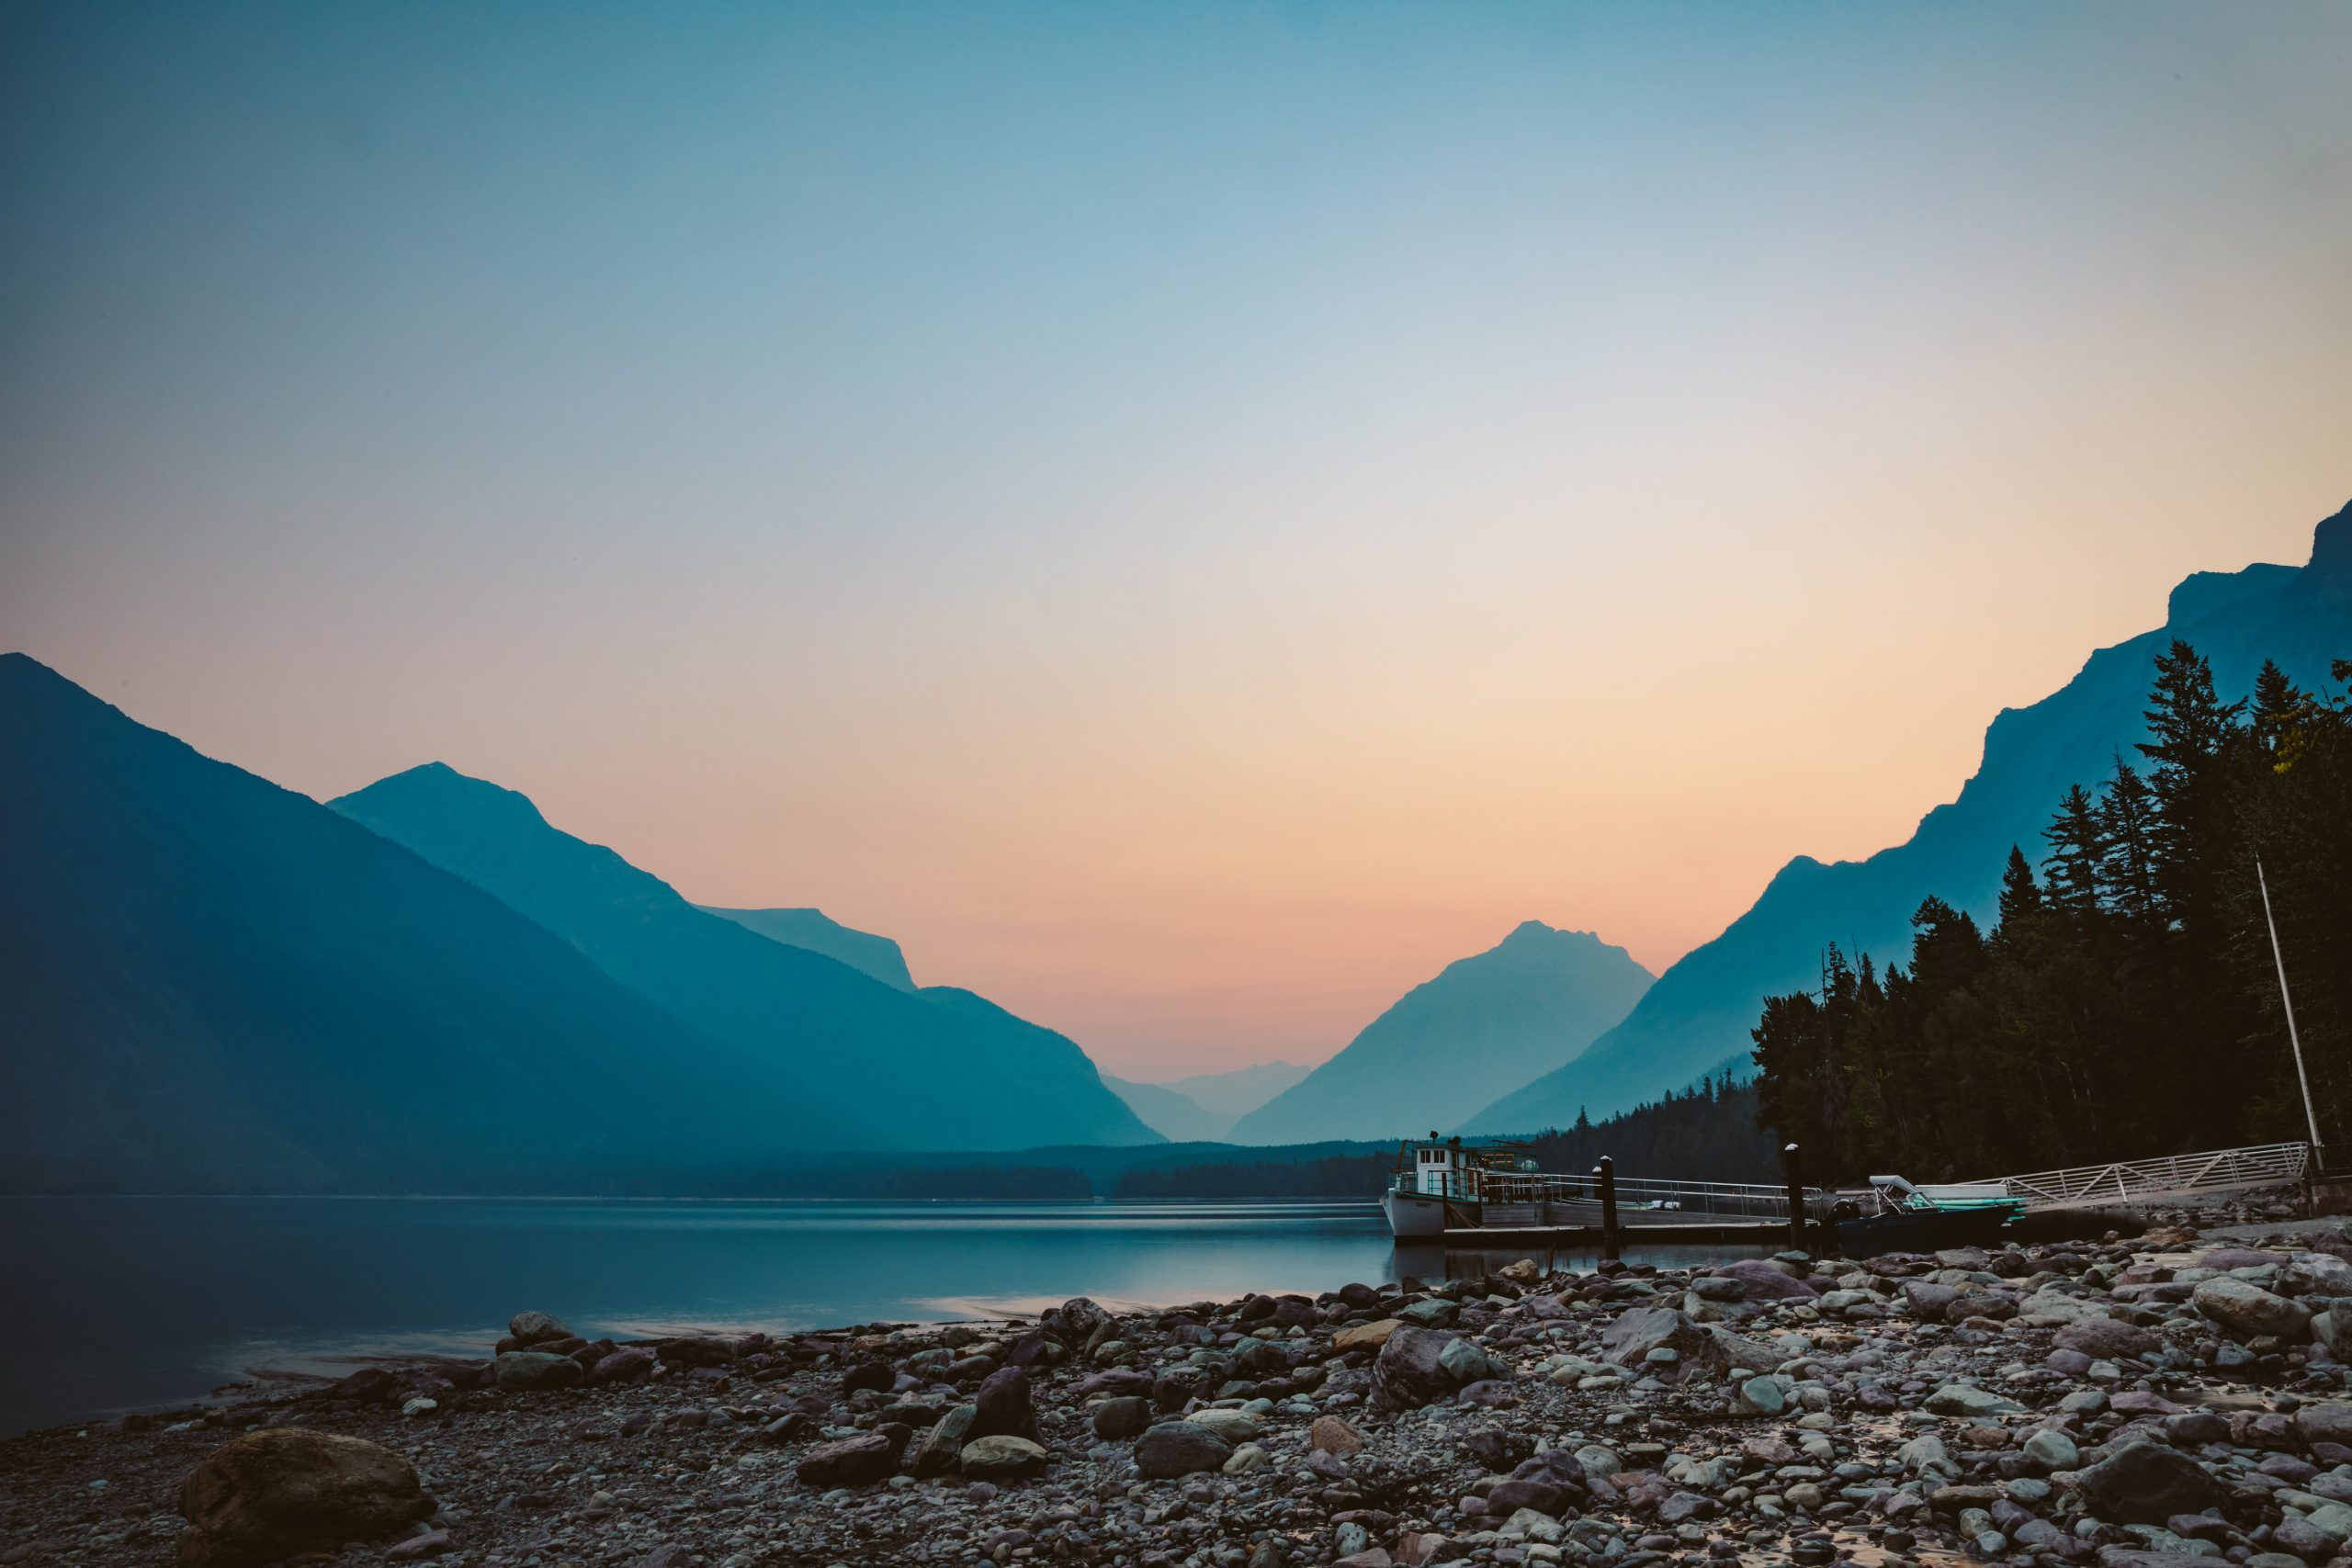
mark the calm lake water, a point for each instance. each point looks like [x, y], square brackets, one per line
[121, 1303]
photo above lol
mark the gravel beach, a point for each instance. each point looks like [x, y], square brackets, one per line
[2125, 1401]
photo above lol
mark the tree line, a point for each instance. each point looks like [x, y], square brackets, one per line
[1706, 1132]
[2126, 1002]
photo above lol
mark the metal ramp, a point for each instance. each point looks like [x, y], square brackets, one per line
[2164, 1181]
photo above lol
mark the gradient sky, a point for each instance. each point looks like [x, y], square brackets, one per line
[1190, 517]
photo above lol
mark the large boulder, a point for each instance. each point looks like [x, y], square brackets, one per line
[527, 1369]
[1004, 1406]
[2146, 1483]
[630, 1363]
[1629, 1341]
[2247, 1311]
[1365, 1335]
[1075, 1321]
[285, 1490]
[1003, 1457]
[1122, 1418]
[943, 1445]
[1762, 1281]
[2106, 1338]
[527, 1328]
[1180, 1448]
[2325, 1422]
[856, 1462]
[1421, 1366]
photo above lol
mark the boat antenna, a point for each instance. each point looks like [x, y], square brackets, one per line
[2287, 1003]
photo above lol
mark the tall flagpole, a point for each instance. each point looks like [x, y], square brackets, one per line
[2286, 1001]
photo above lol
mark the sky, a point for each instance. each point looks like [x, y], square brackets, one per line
[1191, 518]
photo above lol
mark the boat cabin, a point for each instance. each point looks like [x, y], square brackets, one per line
[1444, 1168]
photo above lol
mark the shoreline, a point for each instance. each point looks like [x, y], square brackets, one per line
[1790, 1409]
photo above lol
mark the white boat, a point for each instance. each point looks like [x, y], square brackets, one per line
[1441, 1185]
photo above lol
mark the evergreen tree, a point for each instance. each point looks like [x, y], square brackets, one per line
[2021, 894]
[2127, 820]
[2077, 853]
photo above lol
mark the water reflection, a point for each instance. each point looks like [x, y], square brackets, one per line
[138, 1301]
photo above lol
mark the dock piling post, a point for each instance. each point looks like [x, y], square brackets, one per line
[1796, 1197]
[1607, 1171]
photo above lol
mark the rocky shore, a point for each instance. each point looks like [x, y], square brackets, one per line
[2126, 1402]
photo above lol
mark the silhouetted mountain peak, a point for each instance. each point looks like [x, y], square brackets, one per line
[2331, 548]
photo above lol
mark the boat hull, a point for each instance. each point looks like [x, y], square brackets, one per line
[1419, 1213]
[1922, 1230]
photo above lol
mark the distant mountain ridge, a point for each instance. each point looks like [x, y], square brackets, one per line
[813, 930]
[1204, 1107]
[1451, 1045]
[216, 985]
[1701, 1009]
[938, 1068]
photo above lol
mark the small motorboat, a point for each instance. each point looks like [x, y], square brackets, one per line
[1925, 1219]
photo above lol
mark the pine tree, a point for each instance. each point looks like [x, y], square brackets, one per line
[2078, 854]
[2193, 727]
[2127, 820]
[2021, 894]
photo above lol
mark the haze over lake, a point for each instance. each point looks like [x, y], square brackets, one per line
[140, 1302]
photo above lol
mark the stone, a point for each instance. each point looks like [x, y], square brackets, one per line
[1411, 1370]
[1247, 1458]
[1543, 1496]
[943, 1446]
[1233, 1425]
[285, 1490]
[2147, 1484]
[1003, 1404]
[876, 1375]
[2247, 1311]
[853, 1462]
[1332, 1436]
[1180, 1448]
[1365, 1335]
[2050, 1449]
[1761, 1280]
[1971, 1304]
[528, 1328]
[1469, 1364]
[1121, 1419]
[2306, 1541]
[1959, 1399]
[631, 1364]
[703, 1351]
[2325, 1422]
[1002, 1456]
[527, 1369]
[1699, 1347]
[1927, 1299]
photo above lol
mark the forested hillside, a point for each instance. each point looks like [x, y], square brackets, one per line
[2126, 1003]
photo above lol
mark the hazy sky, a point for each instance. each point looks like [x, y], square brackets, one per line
[1189, 517]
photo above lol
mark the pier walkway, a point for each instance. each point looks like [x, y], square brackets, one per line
[1569, 1208]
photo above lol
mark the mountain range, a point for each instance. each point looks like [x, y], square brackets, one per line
[1485, 1025]
[215, 984]
[1204, 1107]
[933, 1068]
[818, 932]
[1699, 1014]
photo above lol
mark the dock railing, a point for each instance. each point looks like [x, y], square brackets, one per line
[2167, 1178]
[1648, 1200]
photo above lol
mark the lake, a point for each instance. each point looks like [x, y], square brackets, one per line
[122, 1304]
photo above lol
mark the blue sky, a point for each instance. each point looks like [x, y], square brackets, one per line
[1189, 517]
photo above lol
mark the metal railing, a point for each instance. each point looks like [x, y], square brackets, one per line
[1637, 1196]
[2157, 1180]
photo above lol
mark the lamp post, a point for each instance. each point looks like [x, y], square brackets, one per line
[2294, 1041]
